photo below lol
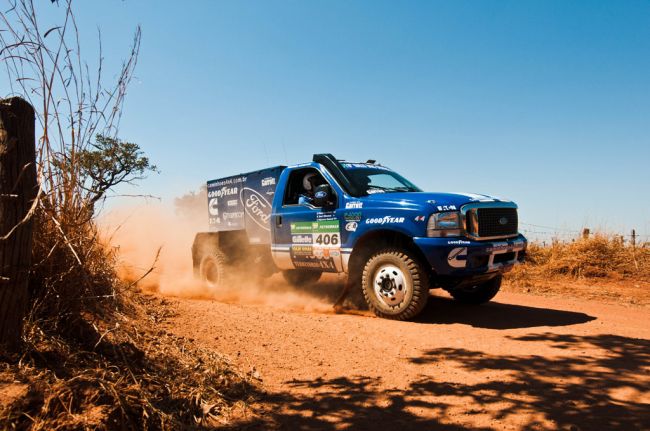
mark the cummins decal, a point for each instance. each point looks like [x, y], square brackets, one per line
[458, 257]
[213, 207]
[257, 207]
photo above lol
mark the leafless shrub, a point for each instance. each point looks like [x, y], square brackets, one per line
[77, 113]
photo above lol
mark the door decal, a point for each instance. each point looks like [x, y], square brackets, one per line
[316, 245]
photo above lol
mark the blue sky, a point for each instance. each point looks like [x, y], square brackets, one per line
[544, 102]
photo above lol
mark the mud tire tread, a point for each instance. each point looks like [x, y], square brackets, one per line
[419, 277]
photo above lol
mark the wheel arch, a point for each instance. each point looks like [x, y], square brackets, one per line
[376, 240]
[233, 244]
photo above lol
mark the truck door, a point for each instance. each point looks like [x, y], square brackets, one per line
[306, 236]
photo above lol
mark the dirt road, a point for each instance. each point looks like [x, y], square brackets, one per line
[521, 362]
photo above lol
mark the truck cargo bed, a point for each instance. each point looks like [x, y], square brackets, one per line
[243, 202]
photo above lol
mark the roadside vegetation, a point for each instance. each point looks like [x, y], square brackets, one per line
[599, 256]
[603, 268]
[92, 354]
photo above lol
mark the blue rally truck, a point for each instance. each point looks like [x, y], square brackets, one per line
[394, 241]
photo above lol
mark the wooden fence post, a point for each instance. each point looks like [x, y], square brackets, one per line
[18, 188]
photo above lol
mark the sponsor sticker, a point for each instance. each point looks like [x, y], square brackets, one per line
[268, 181]
[322, 239]
[302, 250]
[477, 198]
[326, 215]
[458, 242]
[301, 239]
[257, 207]
[223, 191]
[301, 227]
[384, 220]
[502, 247]
[356, 205]
[419, 218]
[446, 207]
[324, 264]
[457, 257]
[213, 207]
[351, 226]
[352, 216]
[365, 166]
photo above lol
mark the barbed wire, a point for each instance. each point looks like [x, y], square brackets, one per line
[554, 229]
[551, 231]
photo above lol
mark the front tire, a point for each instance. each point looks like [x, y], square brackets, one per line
[395, 284]
[300, 277]
[478, 293]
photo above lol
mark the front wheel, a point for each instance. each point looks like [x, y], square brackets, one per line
[477, 293]
[299, 277]
[395, 284]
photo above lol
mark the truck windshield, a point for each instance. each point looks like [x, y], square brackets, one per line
[380, 180]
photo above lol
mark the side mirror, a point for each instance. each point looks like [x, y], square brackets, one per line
[323, 196]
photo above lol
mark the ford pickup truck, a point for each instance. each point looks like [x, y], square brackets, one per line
[392, 240]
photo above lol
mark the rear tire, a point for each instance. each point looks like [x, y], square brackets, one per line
[300, 277]
[212, 270]
[395, 284]
[479, 293]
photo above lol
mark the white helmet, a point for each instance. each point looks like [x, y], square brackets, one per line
[306, 181]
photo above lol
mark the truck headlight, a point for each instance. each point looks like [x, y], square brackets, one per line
[444, 224]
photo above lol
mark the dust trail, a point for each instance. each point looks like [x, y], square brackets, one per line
[142, 233]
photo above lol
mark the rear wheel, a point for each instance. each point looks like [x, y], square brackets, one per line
[212, 270]
[395, 284]
[477, 293]
[299, 277]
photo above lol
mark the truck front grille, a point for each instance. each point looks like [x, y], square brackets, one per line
[497, 222]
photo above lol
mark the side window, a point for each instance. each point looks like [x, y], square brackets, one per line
[301, 185]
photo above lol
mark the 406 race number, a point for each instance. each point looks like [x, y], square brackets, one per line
[327, 239]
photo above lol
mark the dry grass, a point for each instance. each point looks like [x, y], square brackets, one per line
[122, 373]
[94, 356]
[597, 257]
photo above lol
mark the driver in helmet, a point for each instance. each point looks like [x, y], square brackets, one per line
[309, 183]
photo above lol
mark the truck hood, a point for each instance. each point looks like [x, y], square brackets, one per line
[427, 200]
